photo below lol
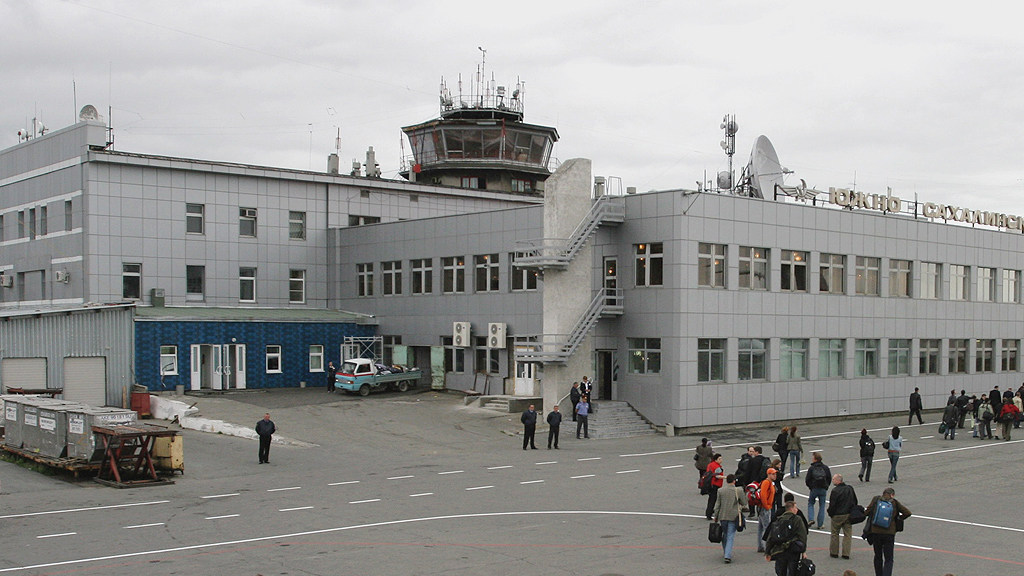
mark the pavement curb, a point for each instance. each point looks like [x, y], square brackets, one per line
[180, 412]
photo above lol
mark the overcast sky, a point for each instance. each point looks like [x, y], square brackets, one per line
[922, 97]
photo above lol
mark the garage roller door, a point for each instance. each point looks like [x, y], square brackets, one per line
[24, 373]
[85, 380]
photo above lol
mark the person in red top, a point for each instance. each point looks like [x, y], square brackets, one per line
[764, 507]
[1007, 415]
[716, 482]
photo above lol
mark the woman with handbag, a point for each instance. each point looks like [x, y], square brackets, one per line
[729, 512]
[716, 483]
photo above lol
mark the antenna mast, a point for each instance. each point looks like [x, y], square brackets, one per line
[729, 145]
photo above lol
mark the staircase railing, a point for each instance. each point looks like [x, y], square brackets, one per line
[547, 348]
[559, 252]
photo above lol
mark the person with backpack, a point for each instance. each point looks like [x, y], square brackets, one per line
[885, 516]
[758, 471]
[703, 457]
[729, 512]
[893, 446]
[765, 505]
[712, 480]
[843, 499]
[795, 448]
[787, 540]
[950, 419]
[1007, 416]
[867, 455]
[819, 477]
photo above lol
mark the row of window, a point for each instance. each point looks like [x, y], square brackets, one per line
[195, 222]
[273, 354]
[486, 275]
[195, 283]
[794, 354]
[34, 222]
[754, 275]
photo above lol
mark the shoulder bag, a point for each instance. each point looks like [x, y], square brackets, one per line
[715, 533]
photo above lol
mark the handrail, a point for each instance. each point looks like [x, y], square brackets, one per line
[561, 251]
[551, 347]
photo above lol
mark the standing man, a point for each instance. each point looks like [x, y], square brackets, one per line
[867, 455]
[574, 398]
[765, 502]
[265, 430]
[582, 411]
[758, 472]
[787, 552]
[950, 417]
[587, 389]
[529, 420]
[554, 421]
[915, 407]
[882, 538]
[843, 499]
[818, 479]
[961, 404]
[332, 376]
[1007, 416]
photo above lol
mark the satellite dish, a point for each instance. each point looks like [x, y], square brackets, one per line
[88, 113]
[764, 168]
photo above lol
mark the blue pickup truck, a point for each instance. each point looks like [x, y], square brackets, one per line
[363, 376]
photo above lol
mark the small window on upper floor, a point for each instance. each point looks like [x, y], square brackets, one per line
[195, 218]
[247, 222]
[296, 225]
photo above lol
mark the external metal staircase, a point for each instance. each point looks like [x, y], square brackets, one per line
[557, 348]
[557, 253]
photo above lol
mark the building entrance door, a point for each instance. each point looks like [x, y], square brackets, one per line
[606, 372]
[526, 378]
[217, 366]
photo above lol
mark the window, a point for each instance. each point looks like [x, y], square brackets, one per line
[391, 277]
[986, 284]
[832, 271]
[649, 264]
[984, 357]
[422, 276]
[866, 358]
[453, 275]
[710, 359]
[711, 265]
[794, 271]
[316, 358]
[21, 223]
[486, 272]
[454, 358]
[1, 227]
[957, 356]
[644, 355]
[931, 280]
[959, 282]
[364, 276]
[67, 216]
[1011, 285]
[168, 360]
[520, 185]
[273, 359]
[524, 278]
[929, 357]
[195, 282]
[247, 222]
[31, 223]
[297, 286]
[486, 358]
[296, 225]
[131, 281]
[753, 268]
[473, 182]
[753, 358]
[831, 357]
[194, 218]
[867, 281]
[899, 357]
[246, 284]
[356, 220]
[44, 221]
[388, 353]
[793, 359]
[1009, 357]
[899, 278]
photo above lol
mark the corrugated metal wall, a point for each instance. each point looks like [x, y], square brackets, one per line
[101, 331]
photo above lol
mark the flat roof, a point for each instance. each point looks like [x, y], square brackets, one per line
[209, 314]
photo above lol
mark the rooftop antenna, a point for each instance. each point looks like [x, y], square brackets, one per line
[337, 142]
[726, 180]
[482, 76]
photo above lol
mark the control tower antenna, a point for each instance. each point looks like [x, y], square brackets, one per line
[481, 78]
[728, 181]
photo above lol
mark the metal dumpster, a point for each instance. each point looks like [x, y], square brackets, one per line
[82, 442]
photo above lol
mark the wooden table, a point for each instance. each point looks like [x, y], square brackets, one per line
[127, 459]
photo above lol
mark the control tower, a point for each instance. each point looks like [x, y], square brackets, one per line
[480, 142]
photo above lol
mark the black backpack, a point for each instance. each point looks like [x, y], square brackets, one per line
[782, 530]
[818, 477]
[705, 481]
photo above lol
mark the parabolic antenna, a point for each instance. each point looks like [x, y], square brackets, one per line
[88, 113]
[765, 169]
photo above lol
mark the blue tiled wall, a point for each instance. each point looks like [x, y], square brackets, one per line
[294, 338]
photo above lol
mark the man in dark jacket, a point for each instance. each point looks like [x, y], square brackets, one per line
[843, 499]
[884, 538]
[818, 479]
[950, 417]
[554, 421]
[961, 404]
[265, 430]
[867, 455]
[574, 398]
[757, 472]
[787, 554]
[529, 420]
[915, 407]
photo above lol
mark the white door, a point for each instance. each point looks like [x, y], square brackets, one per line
[216, 367]
[526, 378]
[23, 373]
[240, 365]
[197, 367]
[85, 380]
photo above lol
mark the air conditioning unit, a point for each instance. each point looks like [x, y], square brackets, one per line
[7, 280]
[249, 212]
[61, 276]
[496, 335]
[460, 334]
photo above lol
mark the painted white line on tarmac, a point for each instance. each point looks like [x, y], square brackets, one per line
[546, 463]
[848, 447]
[451, 472]
[673, 466]
[532, 482]
[144, 525]
[27, 514]
[343, 483]
[365, 501]
[400, 477]
[219, 496]
[586, 459]
[283, 489]
[479, 488]
[224, 516]
[421, 494]
[926, 437]
[294, 509]
[626, 471]
[582, 476]
[57, 535]
[498, 467]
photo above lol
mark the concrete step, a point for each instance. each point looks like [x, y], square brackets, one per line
[616, 419]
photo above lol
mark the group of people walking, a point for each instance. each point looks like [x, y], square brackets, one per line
[1005, 409]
